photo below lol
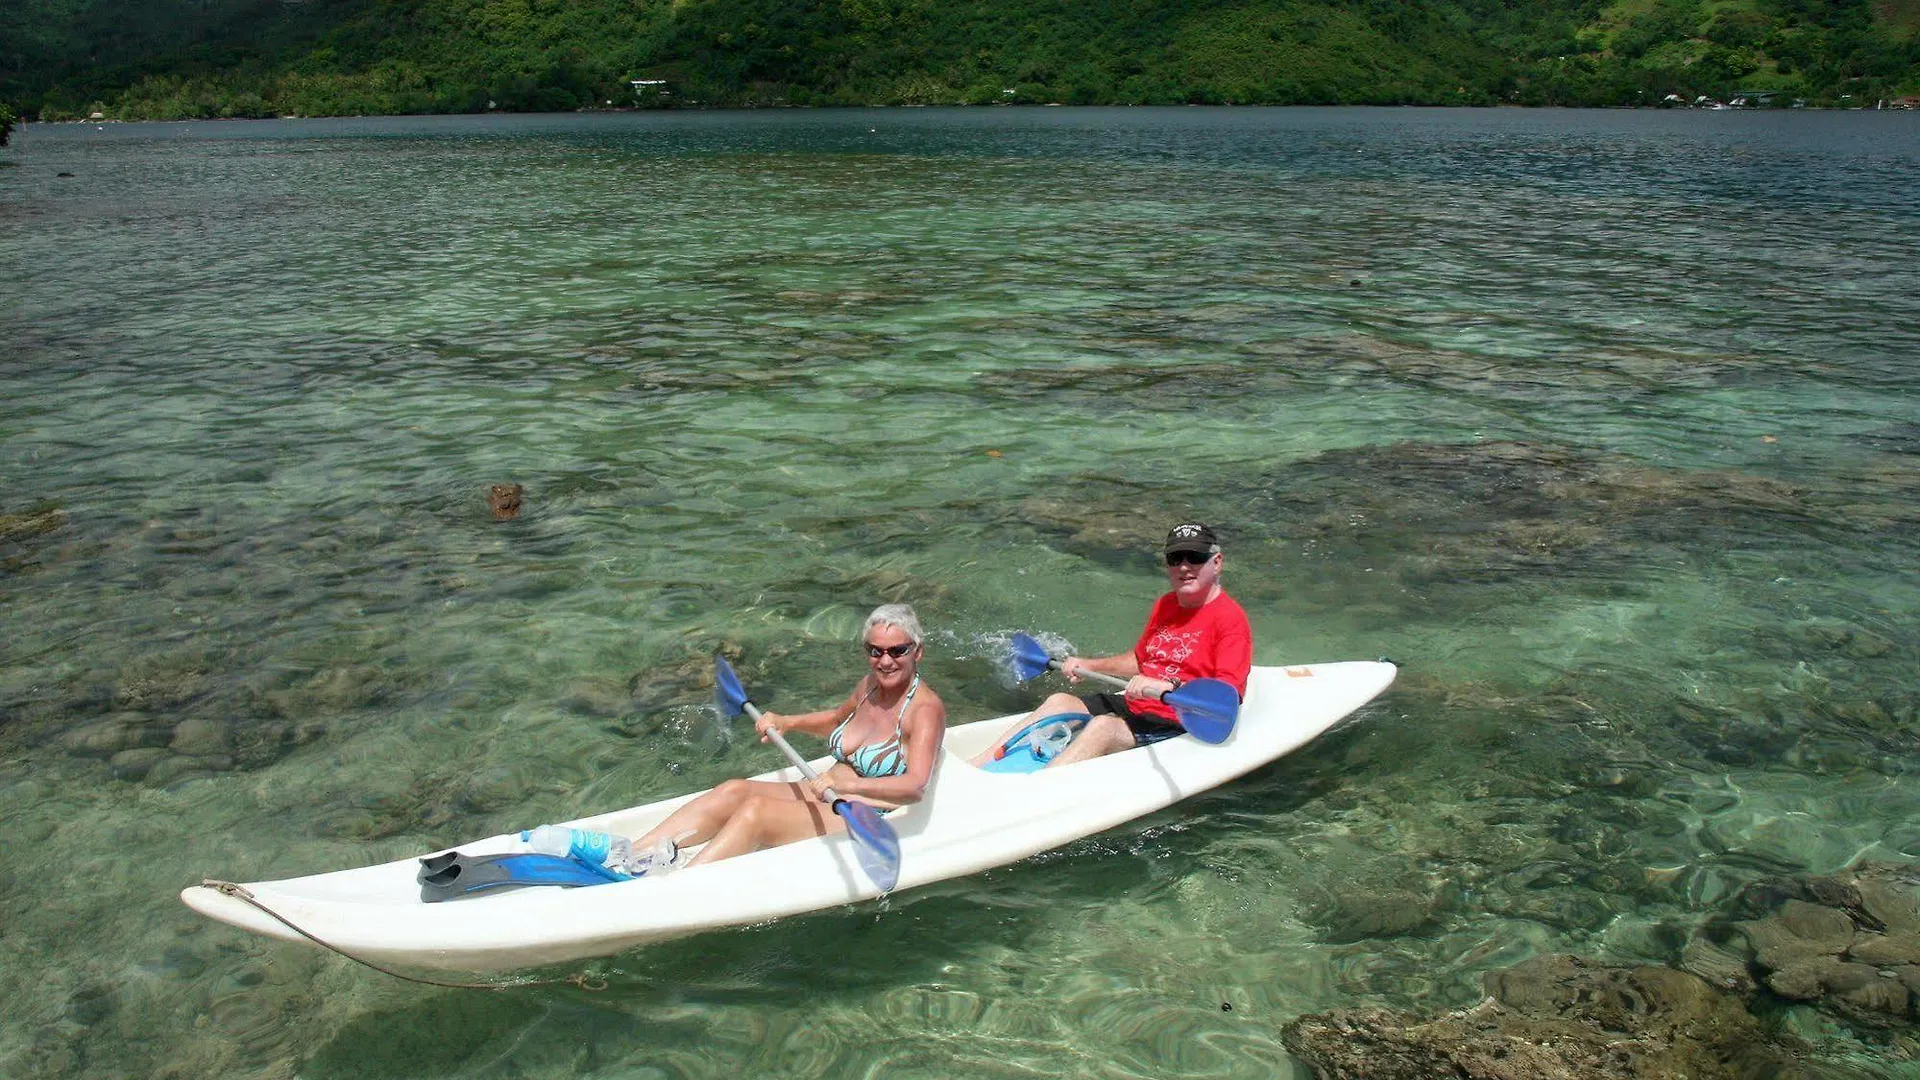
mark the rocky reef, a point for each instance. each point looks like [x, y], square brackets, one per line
[1441, 519]
[1555, 1018]
[1845, 945]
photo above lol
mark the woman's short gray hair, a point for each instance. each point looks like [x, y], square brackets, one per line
[896, 615]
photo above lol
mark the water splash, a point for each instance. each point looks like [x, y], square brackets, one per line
[996, 646]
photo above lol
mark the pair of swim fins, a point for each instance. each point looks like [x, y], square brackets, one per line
[453, 876]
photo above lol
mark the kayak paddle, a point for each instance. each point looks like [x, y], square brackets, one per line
[1207, 708]
[875, 842]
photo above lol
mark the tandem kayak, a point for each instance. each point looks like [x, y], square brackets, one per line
[970, 820]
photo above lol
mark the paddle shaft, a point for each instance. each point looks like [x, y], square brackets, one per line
[786, 748]
[1110, 680]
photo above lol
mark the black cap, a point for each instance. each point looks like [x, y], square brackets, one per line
[1192, 536]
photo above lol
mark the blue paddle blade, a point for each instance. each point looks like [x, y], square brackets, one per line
[875, 842]
[1207, 708]
[1029, 657]
[728, 694]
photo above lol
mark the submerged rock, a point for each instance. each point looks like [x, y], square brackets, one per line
[1357, 910]
[160, 684]
[32, 523]
[690, 678]
[201, 735]
[504, 500]
[593, 697]
[331, 692]
[1846, 943]
[1550, 1018]
[260, 742]
[110, 736]
[1799, 931]
[181, 767]
[1832, 635]
[492, 789]
[1726, 968]
[135, 764]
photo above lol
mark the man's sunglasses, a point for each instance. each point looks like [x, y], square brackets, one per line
[895, 651]
[1195, 558]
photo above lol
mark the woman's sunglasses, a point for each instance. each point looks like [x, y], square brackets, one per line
[1196, 558]
[895, 651]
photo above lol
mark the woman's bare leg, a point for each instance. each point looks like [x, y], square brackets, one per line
[1105, 734]
[768, 821]
[1053, 706]
[698, 821]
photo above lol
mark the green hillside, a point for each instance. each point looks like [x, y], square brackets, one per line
[140, 59]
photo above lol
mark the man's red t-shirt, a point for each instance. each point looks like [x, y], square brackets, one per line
[1212, 641]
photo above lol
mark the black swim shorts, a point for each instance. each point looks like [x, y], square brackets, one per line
[1147, 728]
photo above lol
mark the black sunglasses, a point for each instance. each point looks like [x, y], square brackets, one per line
[895, 651]
[1197, 558]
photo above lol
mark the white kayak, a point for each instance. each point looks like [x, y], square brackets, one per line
[970, 820]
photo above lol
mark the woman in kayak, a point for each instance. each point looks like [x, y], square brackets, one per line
[885, 738]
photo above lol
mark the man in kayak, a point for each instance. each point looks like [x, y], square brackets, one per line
[1195, 631]
[885, 737]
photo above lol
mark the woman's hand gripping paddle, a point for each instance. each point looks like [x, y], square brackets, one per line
[875, 842]
[1207, 708]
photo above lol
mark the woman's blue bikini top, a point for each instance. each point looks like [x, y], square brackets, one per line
[885, 758]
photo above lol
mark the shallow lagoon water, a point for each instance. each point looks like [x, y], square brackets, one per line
[1604, 425]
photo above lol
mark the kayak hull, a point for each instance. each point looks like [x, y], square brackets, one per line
[970, 820]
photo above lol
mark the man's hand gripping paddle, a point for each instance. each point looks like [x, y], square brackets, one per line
[877, 845]
[1207, 708]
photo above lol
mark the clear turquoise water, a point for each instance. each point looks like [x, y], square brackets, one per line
[1604, 425]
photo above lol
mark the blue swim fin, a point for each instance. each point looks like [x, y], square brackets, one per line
[453, 876]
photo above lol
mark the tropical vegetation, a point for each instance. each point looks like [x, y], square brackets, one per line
[132, 59]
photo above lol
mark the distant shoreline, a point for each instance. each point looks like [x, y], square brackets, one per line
[1510, 106]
